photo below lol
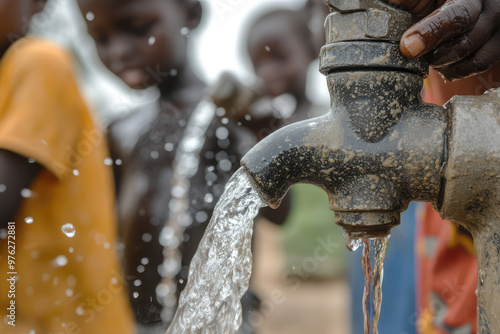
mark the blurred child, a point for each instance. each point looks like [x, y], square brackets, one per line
[57, 253]
[281, 47]
[145, 44]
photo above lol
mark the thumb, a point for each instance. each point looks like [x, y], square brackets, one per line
[451, 20]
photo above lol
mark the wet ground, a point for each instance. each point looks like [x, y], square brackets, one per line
[290, 305]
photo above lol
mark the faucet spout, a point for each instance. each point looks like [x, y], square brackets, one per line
[378, 148]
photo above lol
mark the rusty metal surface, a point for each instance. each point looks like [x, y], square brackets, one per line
[367, 54]
[362, 20]
[378, 148]
[471, 196]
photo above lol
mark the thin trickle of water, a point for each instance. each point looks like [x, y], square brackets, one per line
[220, 271]
[374, 251]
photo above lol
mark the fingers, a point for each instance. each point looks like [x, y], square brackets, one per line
[480, 61]
[419, 8]
[462, 46]
[450, 20]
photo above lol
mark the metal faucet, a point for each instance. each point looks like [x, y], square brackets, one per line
[380, 147]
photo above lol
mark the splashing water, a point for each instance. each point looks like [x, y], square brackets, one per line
[69, 230]
[220, 271]
[374, 250]
[186, 165]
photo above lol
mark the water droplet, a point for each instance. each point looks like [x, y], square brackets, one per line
[3, 187]
[181, 281]
[184, 31]
[147, 237]
[69, 230]
[60, 261]
[71, 250]
[31, 161]
[26, 193]
[137, 282]
[107, 245]
[169, 147]
[482, 276]
[248, 117]
[162, 290]
[76, 172]
[89, 16]
[28, 220]
[118, 162]
[173, 72]
[140, 269]
[268, 49]
[220, 112]
[201, 216]
[80, 310]
[209, 198]
[135, 294]
[144, 260]
[178, 191]
[151, 40]
[108, 162]
[154, 155]
[71, 281]
[222, 132]
[69, 292]
[352, 244]
[225, 165]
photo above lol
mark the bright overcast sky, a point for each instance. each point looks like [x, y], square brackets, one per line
[214, 47]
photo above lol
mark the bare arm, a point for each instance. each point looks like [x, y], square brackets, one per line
[16, 173]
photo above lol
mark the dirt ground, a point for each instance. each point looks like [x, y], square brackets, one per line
[290, 305]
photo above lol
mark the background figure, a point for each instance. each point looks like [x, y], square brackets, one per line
[145, 44]
[281, 47]
[56, 199]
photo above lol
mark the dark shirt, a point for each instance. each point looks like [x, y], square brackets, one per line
[144, 181]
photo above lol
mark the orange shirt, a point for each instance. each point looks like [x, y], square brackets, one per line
[68, 274]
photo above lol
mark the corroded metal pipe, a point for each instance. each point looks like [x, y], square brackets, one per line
[379, 147]
[471, 195]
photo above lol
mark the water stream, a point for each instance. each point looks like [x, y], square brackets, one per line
[185, 166]
[374, 251]
[220, 271]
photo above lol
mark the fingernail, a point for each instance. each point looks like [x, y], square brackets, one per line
[414, 46]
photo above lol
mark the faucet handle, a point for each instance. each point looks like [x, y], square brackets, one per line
[350, 6]
[355, 20]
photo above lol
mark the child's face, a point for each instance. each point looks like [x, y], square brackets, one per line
[280, 57]
[138, 40]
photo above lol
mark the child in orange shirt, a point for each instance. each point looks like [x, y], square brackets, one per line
[59, 265]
